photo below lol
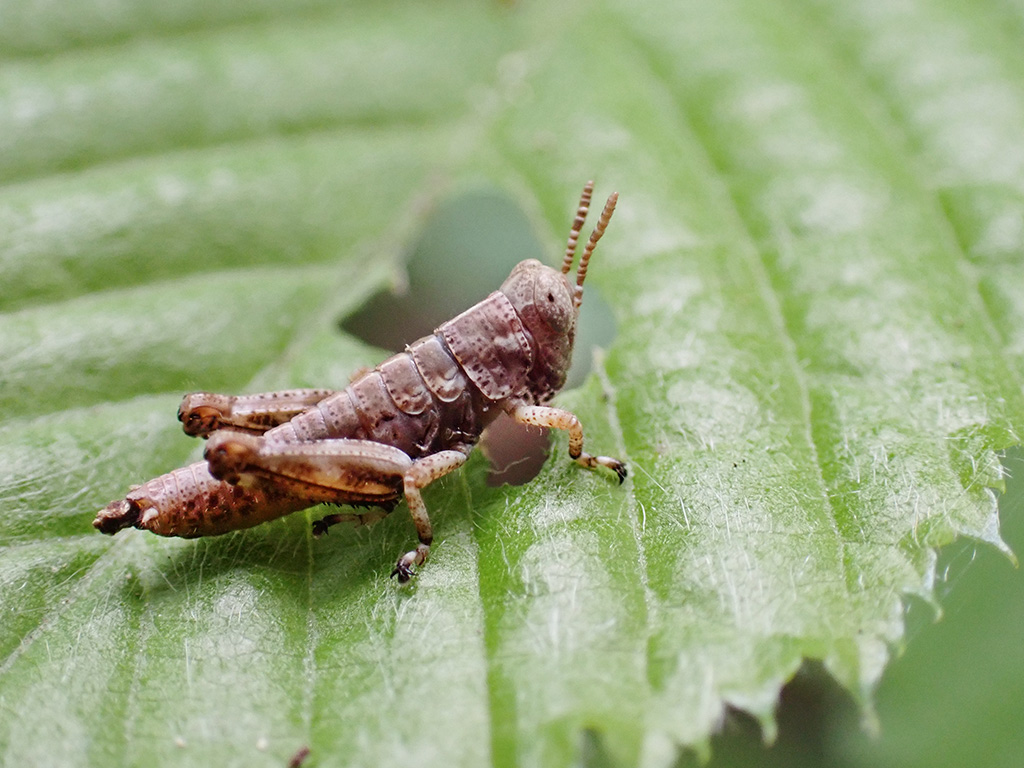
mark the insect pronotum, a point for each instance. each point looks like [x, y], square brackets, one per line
[411, 420]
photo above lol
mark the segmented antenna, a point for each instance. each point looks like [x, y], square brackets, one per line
[602, 224]
[577, 225]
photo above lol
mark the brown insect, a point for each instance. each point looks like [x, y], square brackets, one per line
[411, 420]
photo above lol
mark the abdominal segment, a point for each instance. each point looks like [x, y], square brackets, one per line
[190, 502]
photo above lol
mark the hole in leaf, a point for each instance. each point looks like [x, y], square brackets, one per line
[516, 451]
[814, 711]
[464, 252]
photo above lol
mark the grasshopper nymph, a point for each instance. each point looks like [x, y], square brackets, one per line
[411, 420]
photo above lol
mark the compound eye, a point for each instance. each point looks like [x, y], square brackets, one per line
[554, 305]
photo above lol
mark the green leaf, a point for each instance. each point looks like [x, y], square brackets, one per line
[815, 274]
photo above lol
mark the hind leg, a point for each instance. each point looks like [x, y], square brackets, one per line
[336, 471]
[202, 413]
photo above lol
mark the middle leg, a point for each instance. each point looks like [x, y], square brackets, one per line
[421, 474]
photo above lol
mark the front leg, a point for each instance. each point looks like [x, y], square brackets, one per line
[339, 471]
[202, 413]
[557, 418]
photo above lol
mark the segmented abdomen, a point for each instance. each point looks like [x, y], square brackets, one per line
[437, 395]
[190, 502]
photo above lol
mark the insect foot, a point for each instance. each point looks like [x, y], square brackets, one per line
[393, 430]
[404, 568]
